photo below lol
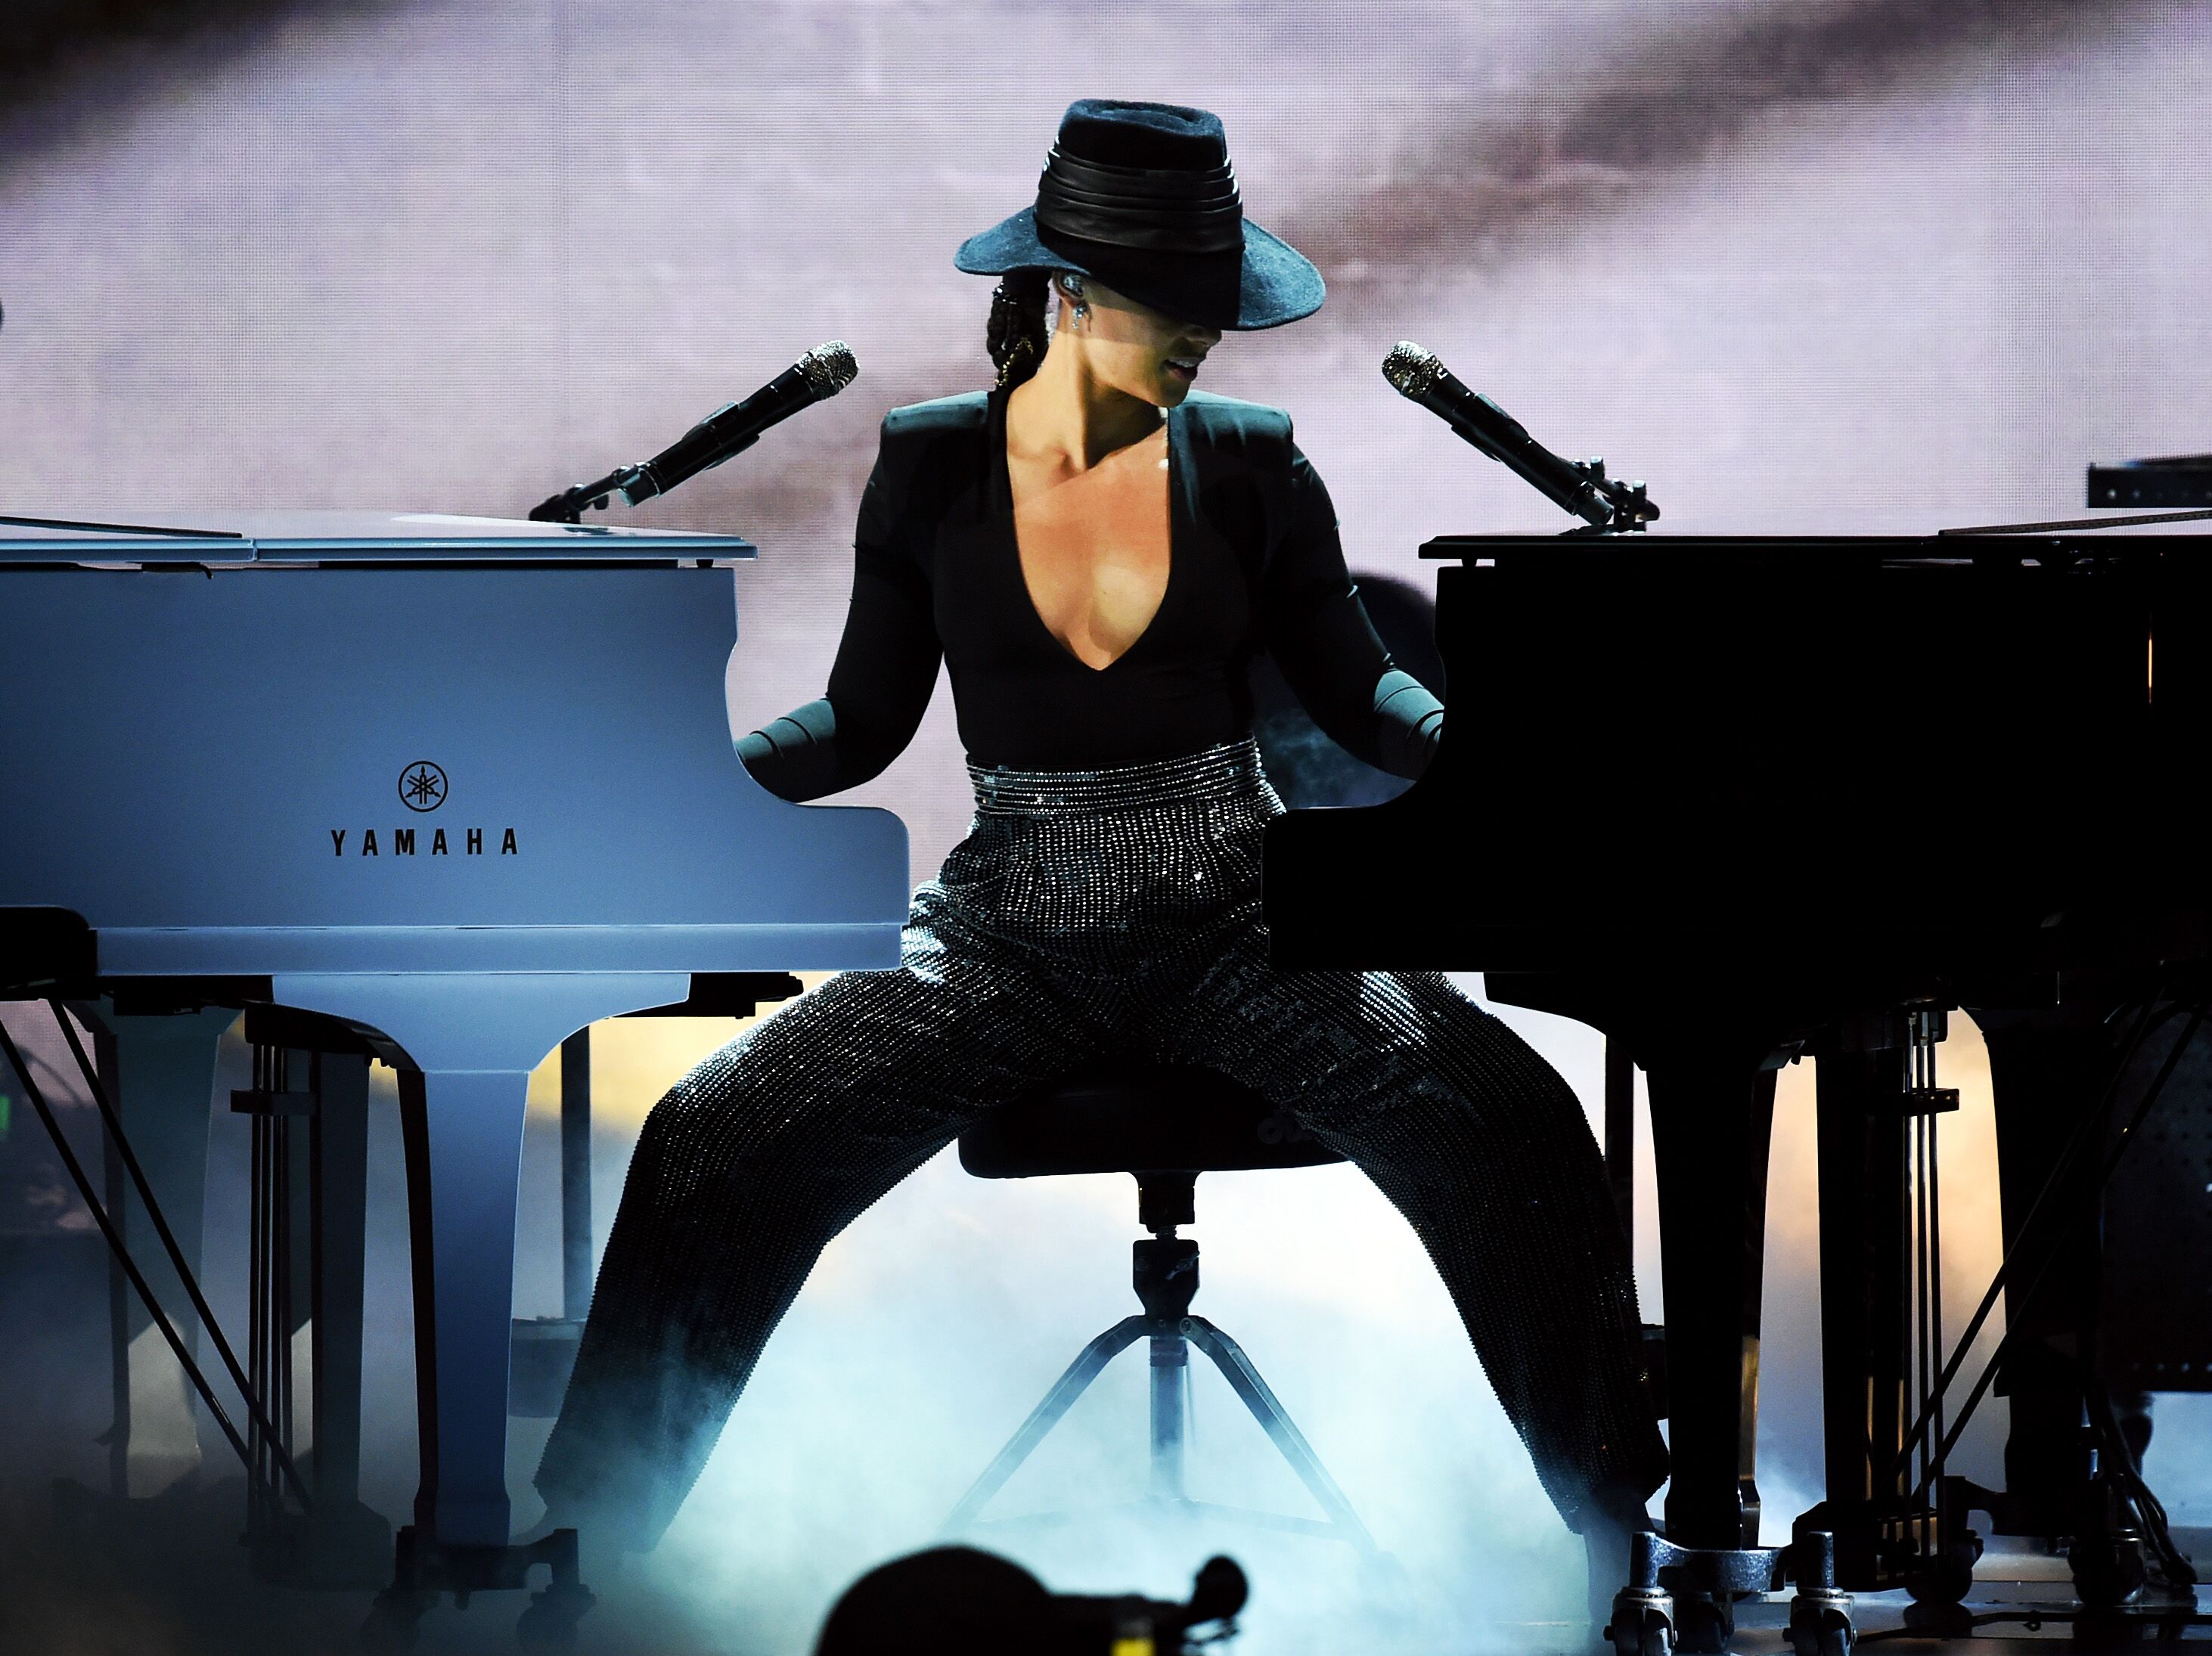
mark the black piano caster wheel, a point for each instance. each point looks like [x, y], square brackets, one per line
[1940, 1621]
[1945, 1580]
[550, 1620]
[1650, 1633]
[2108, 1569]
[1703, 1624]
[1642, 1623]
[1821, 1630]
[393, 1615]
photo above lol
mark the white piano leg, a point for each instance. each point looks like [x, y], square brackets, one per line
[464, 1135]
[468, 1044]
[159, 1073]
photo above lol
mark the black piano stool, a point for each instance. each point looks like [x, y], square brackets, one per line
[1165, 1125]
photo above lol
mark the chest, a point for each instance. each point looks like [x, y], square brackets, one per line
[1095, 550]
[1168, 597]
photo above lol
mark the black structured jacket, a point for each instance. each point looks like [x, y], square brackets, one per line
[1255, 564]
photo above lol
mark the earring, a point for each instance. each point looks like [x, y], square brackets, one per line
[1072, 286]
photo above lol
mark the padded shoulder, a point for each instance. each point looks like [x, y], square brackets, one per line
[927, 452]
[1231, 425]
[940, 415]
[1244, 453]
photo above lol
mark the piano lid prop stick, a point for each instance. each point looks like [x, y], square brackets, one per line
[1578, 486]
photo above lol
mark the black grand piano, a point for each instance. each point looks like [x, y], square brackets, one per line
[1735, 798]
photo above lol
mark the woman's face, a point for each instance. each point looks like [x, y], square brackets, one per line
[1135, 349]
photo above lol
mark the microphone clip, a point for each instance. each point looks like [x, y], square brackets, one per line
[1629, 507]
[568, 506]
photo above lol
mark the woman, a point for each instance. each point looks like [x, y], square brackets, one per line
[1098, 552]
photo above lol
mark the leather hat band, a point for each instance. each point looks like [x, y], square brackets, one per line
[1163, 209]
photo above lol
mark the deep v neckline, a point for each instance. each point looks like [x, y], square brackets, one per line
[1013, 542]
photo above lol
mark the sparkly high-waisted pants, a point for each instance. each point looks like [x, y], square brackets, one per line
[1110, 914]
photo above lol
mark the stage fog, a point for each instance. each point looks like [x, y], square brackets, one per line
[1790, 262]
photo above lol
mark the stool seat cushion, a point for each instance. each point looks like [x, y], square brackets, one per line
[1133, 1119]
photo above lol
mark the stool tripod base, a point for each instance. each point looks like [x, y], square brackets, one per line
[1170, 1339]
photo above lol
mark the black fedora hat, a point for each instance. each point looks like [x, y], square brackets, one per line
[1142, 196]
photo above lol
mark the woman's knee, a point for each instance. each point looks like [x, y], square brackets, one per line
[724, 1098]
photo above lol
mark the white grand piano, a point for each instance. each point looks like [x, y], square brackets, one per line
[465, 785]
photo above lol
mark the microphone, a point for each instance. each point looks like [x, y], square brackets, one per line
[1583, 489]
[823, 372]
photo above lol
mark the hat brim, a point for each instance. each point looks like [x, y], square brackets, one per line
[1267, 284]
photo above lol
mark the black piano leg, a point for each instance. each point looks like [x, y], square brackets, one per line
[1865, 1378]
[1711, 1119]
[1710, 1150]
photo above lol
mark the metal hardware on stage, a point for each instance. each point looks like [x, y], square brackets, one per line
[309, 1108]
[459, 786]
[1677, 1597]
[1736, 797]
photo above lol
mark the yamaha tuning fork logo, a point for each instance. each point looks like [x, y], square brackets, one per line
[423, 788]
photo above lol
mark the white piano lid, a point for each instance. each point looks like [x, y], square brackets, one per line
[216, 535]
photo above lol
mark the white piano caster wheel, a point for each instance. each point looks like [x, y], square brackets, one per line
[1642, 1623]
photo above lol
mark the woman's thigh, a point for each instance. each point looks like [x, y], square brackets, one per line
[870, 1071]
[1342, 1049]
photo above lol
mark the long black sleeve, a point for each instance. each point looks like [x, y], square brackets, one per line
[937, 577]
[880, 683]
[1318, 632]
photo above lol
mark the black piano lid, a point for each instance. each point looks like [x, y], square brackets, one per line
[1886, 534]
[229, 538]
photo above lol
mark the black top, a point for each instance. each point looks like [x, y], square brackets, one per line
[1255, 563]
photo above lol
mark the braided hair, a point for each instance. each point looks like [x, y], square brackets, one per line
[1015, 333]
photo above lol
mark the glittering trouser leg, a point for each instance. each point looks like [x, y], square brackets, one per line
[1089, 915]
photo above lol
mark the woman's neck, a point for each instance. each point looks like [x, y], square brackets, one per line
[1065, 412]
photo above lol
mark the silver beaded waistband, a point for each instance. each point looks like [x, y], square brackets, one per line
[1228, 771]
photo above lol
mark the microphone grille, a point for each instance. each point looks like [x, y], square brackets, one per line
[828, 368]
[1412, 369]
